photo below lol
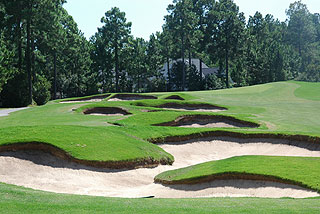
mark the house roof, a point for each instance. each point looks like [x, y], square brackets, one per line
[196, 62]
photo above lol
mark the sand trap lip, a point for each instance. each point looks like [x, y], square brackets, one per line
[209, 121]
[174, 97]
[62, 155]
[106, 111]
[192, 107]
[39, 170]
[131, 97]
[6, 112]
[96, 98]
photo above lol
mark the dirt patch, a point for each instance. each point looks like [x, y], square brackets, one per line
[192, 107]
[96, 98]
[131, 97]
[209, 121]
[106, 111]
[174, 97]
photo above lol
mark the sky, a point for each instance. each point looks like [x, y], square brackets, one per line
[147, 15]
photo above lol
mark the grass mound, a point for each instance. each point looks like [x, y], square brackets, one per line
[127, 97]
[97, 145]
[300, 171]
[192, 107]
[180, 105]
[92, 98]
[174, 97]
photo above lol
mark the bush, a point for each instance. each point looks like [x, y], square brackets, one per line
[212, 82]
[41, 90]
[15, 91]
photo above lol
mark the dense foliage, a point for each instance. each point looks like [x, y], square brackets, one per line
[39, 38]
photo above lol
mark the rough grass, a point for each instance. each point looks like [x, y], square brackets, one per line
[298, 170]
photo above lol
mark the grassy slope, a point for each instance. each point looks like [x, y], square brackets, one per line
[58, 125]
[21, 200]
[310, 91]
[299, 169]
[276, 105]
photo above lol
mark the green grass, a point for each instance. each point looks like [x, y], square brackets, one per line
[273, 104]
[86, 143]
[282, 108]
[309, 91]
[86, 97]
[302, 170]
[15, 199]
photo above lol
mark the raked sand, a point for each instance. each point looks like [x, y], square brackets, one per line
[43, 171]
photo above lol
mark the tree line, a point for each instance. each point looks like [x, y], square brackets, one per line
[44, 55]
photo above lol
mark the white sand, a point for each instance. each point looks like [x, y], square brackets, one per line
[126, 99]
[42, 171]
[209, 125]
[109, 115]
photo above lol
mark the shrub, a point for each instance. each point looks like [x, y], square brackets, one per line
[41, 90]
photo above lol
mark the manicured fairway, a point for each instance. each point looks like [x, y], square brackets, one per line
[21, 200]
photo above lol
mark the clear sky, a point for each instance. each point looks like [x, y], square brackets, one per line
[147, 15]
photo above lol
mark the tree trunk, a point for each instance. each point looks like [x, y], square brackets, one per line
[183, 67]
[117, 67]
[200, 69]
[33, 57]
[19, 44]
[28, 53]
[169, 75]
[190, 58]
[55, 75]
[227, 67]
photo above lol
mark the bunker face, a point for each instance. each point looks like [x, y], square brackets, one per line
[131, 97]
[106, 111]
[174, 97]
[97, 98]
[192, 107]
[40, 170]
[208, 121]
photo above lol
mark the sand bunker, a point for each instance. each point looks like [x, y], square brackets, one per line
[39, 170]
[131, 97]
[208, 121]
[106, 111]
[174, 97]
[192, 107]
[97, 98]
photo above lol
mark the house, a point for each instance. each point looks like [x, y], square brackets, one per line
[206, 71]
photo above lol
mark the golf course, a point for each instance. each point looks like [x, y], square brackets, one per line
[240, 150]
